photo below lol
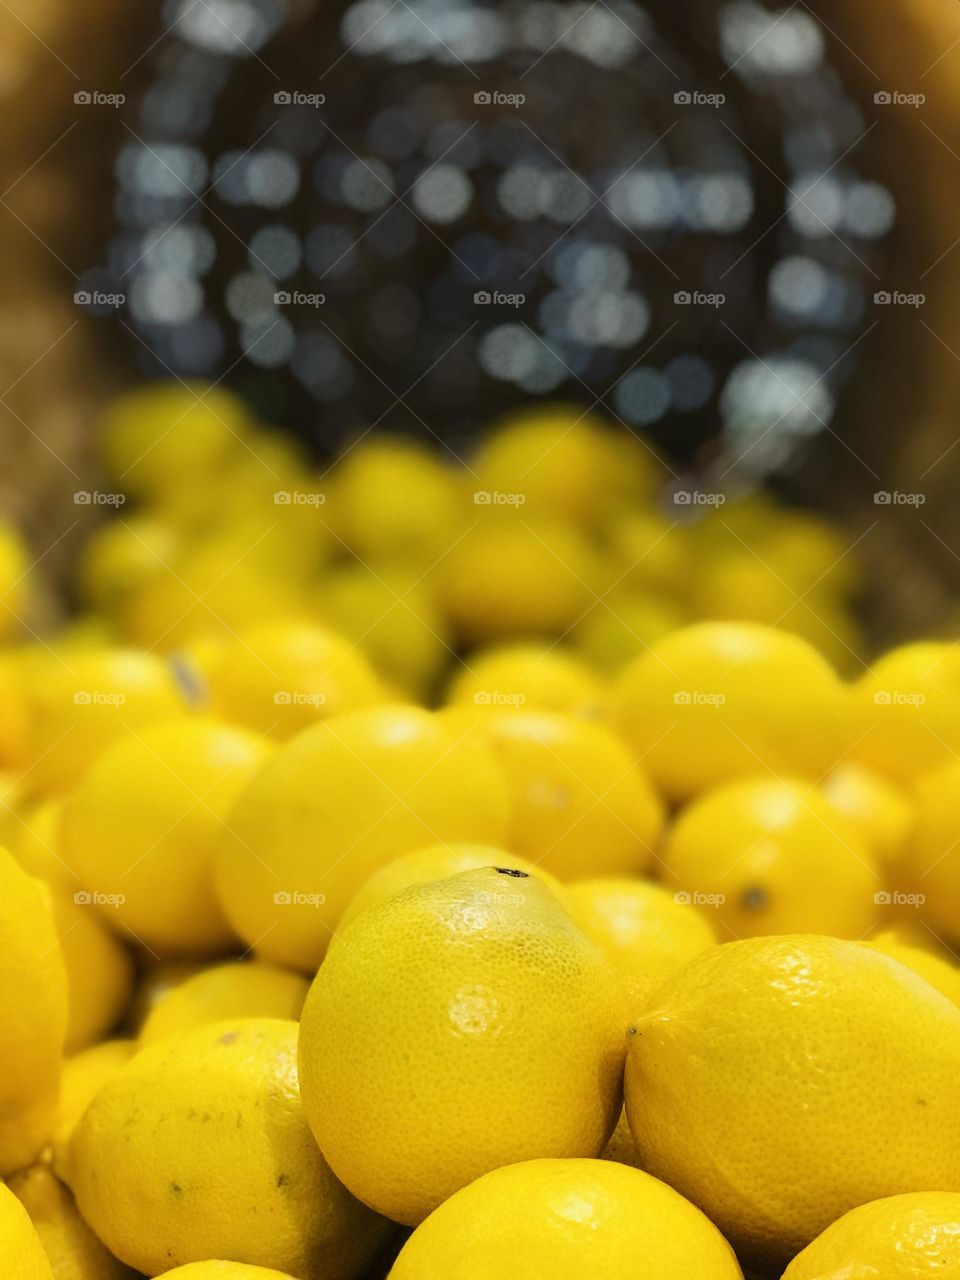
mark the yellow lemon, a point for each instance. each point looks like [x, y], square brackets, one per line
[906, 1237]
[646, 932]
[72, 1249]
[567, 1219]
[224, 1271]
[437, 862]
[35, 843]
[938, 970]
[389, 612]
[717, 700]
[580, 806]
[99, 970]
[559, 460]
[393, 497]
[14, 580]
[882, 812]
[770, 855]
[14, 714]
[403, 1081]
[779, 1082]
[280, 677]
[83, 1076]
[931, 864]
[235, 990]
[907, 708]
[535, 676]
[33, 1016]
[121, 555]
[199, 1148]
[84, 701]
[142, 829]
[652, 553]
[168, 433]
[512, 576]
[621, 1146]
[621, 624]
[334, 804]
[21, 1254]
[155, 984]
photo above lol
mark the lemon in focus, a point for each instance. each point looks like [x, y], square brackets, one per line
[237, 989]
[72, 1249]
[508, 1045]
[83, 1075]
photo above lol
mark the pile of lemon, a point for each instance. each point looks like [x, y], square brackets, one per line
[516, 850]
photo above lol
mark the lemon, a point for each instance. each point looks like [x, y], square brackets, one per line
[509, 1043]
[35, 843]
[770, 855]
[21, 1253]
[938, 970]
[561, 461]
[165, 434]
[510, 576]
[931, 864]
[99, 971]
[334, 804]
[234, 990]
[437, 862]
[33, 1015]
[651, 553]
[121, 555]
[389, 612]
[567, 1219]
[84, 701]
[199, 1148]
[717, 700]
[907, 708]
[142, 827]
[534, 676]
[579, 805]
[280, 677]
[14, 580]
[83, 1075]
[72, 1249]
[155, 984]
[903, 1237]
[14, 721]
[644, 930]
[779, 1082]
[620, 625]
[882, 812]
[224, 1271]
[392, 497]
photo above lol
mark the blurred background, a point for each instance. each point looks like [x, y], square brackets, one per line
[724, 229]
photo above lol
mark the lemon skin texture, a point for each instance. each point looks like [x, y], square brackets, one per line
[645, 932]
[718, 700]
[908, 1237]
[72, 1249]
[224, 1271]
[143, 828]
[239, 989]
[567, 1219]
[779, 1082]
[771, 855]
[82, 1077]
[33, 1015]
[199, 1148]
[22, 1256]
[337, 802]
[508, 1044]
[437, 862]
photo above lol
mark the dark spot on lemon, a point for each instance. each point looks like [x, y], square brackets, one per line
[511, 871]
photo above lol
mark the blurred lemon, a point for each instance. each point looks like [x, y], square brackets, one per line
[930, 869]
[239, 989]
[621, 625]
[122, 554]
[99, 971]
[14, 580]
[534, 676]
[14, 722]
[21, 1254]
[939, 972]
[154, 985]
[34, 840]
[652, 553]
[882, 812]
[72, 1249]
